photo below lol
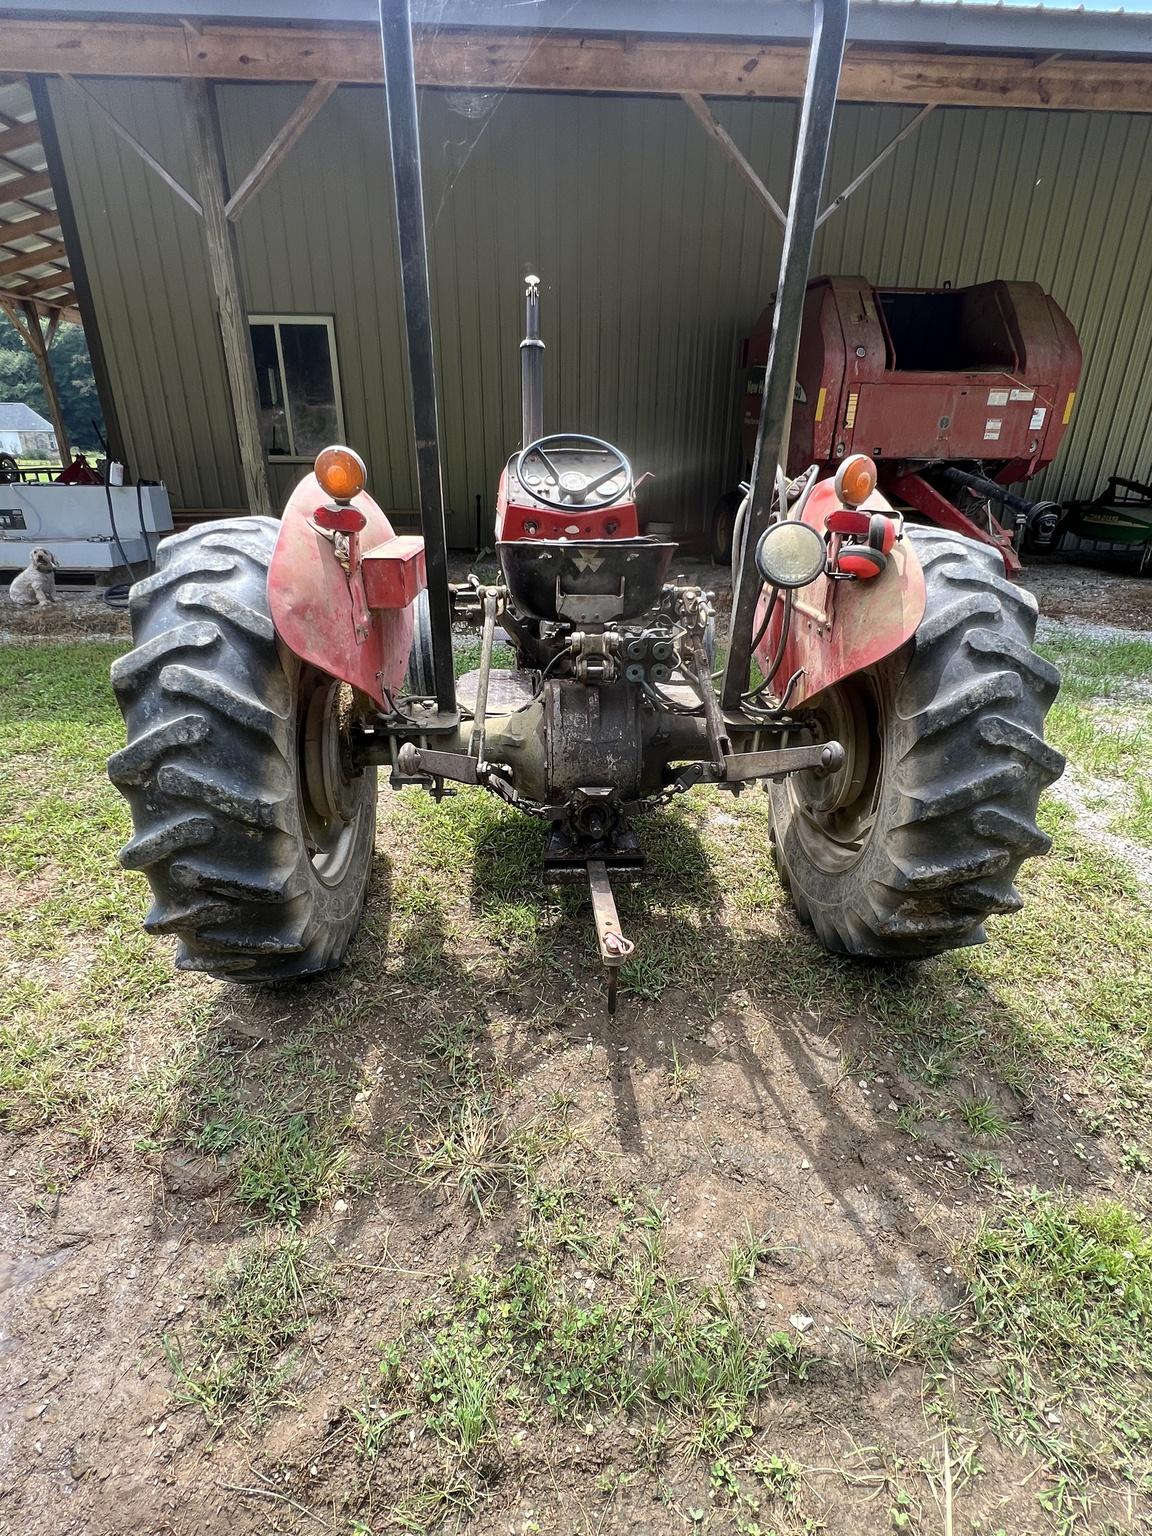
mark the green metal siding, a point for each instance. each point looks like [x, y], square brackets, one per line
[656, 259]
[144, 249]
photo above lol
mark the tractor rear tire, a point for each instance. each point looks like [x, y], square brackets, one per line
[254, 830]
[917, 840]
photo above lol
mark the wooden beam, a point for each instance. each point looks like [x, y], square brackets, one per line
[38, 224]
[877, 160]
[148, 158]
[64, 303]
[25, 259]
[280, 146]
[19, 324]
[65, 306]
[728, 144]
[39, 349]
[39, 285]
[24, 186]
[491, 59]
[207, 152]
[19, 137]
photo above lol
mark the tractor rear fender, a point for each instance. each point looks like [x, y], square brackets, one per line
[841, 627]
[321, 611]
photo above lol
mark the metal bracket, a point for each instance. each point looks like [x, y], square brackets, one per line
[614, 947]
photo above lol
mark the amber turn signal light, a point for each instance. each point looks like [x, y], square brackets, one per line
[855, 479]
[341, 473]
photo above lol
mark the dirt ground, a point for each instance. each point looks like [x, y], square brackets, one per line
[780, 1139]
[762, 1095]
[1090, 591]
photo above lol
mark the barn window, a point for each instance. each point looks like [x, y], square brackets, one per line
[297, 383]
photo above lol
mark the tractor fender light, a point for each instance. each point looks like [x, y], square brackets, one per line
[341, 472]
[855, 479]
[339, 519]
[790, 554]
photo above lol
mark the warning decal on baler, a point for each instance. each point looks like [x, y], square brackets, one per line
[997, 397]
[850, 413]
[992, 429]
[1037, 421]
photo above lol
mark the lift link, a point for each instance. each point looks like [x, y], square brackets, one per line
[740, 767]
[491, 597]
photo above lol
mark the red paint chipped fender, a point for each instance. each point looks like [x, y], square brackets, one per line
[315, 603]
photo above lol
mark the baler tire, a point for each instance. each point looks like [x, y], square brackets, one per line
[420, 678]
[220, 767]
[957, 718]
[721, 527]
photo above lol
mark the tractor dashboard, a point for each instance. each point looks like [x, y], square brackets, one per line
[567, 486]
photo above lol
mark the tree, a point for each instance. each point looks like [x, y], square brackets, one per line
[20, 380]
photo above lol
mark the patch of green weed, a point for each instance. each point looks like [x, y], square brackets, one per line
[237, 1351]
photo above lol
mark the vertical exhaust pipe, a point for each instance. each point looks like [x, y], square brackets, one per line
[531, 367]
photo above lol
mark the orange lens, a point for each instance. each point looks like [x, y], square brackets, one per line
[855, 479]
[341, 473]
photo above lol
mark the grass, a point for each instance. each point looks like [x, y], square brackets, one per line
[982, 1118]
[683, 1080]
[1068, 1281]
[462, 1140]
[277, 1113]
[908, 1335]
[576, 1314]
[1102, 721]
[470, 1148]
[237, 1352]
[80, 974]
[524, 1334]
[748, 1255]
[1061, 1292]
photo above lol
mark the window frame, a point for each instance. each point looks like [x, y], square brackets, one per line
[329, 323]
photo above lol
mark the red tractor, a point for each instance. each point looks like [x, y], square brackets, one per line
[896, 719]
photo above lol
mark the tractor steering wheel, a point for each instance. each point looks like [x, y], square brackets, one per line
[566, 488]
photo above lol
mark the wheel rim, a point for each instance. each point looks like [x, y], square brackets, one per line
[835, 813]
[329, 792]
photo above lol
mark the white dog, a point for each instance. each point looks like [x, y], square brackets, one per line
[36, 584]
